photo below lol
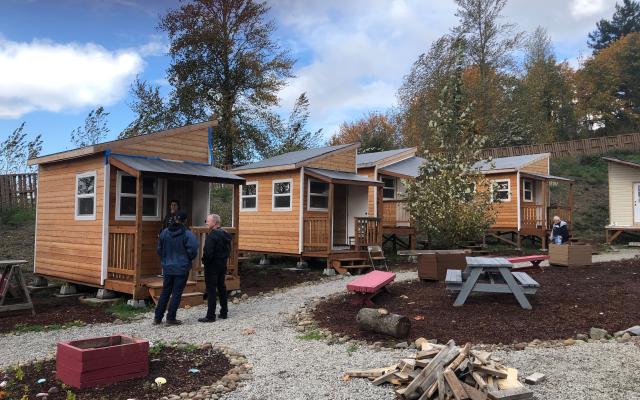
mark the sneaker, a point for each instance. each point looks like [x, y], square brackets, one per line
[222, 316]
[206, 319]
[174, 322]
[157, 321]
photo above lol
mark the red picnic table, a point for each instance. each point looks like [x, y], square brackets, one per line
[535, 261]
[369, 285]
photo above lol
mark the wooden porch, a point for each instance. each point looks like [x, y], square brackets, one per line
[397, 226]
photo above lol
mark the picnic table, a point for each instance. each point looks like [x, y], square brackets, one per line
[369, 285]
[490, 269]
[13, 287]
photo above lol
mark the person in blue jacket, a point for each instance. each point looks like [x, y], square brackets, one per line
[177, 247]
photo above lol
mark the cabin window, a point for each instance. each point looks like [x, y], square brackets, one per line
[318, 196]
[249, 196]
[282, 194]
[501, 190]
[527, 190]
[86, 196]
[126, 198]
[389, 188]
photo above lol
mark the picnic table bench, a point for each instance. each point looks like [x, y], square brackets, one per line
[497, 277]
[369, 285]
[535, 261]
[14, 294]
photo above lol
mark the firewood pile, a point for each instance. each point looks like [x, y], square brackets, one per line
[446, 372]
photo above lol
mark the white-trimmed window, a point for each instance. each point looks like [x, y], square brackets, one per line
[527, 190]
[249, 196]
[501, 190]
[389, 188]
[281, 194]
[126, 198]
[86, 196]
[318, 196]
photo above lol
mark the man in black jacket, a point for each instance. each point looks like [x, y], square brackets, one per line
[216, 251]
[560, 231]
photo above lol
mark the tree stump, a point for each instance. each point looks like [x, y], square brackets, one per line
[372, 319]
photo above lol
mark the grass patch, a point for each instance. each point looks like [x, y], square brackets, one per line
[125, 312]
[23, 328]
[18, 216]
[313, 334]
[352, 349]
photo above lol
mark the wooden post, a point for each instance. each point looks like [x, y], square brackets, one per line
[236, 224]
[380, 216]
[138, 249]
[330, 219]
[570, 205]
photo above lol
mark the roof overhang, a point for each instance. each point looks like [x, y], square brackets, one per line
[499, 171]
[545, 177]
[135, 165]
[392, 159]
[340, 177]
[622, 162]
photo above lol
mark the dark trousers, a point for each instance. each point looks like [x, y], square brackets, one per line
[172, 287]
[214, 276]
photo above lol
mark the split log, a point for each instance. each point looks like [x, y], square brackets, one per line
[370, 319]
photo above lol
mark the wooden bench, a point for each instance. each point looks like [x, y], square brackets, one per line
[369, 285]
[535, 261]
[529, 285]
[453, 280]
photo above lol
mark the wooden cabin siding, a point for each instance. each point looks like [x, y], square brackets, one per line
[265, 230]
[341, 160]
[370, 172]
[68, 248]
[538, 167]
[506, 211]
[621, 180]
[188, 145]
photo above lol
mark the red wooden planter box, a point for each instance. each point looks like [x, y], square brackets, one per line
[101, 361]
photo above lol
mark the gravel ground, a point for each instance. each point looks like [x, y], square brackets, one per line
[286, 367]
[590, 371]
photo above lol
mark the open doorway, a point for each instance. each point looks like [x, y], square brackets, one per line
[193, 197]
[340, 211]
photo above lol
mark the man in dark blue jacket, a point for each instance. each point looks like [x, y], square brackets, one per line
[217, 248]
[177, 247]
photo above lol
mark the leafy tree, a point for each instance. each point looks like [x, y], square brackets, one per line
[608, 87]
[544, 96]
[626, 19]
[153, 113]
[16, 150]
[94, 131]
[224, 62]
[292, 134]
[375, 132]
[442, 199]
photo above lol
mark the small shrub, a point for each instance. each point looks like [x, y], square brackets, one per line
[18, 216]
[352, 349]
[311, 335]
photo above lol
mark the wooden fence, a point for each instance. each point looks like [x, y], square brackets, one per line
[18, 191]
[588, 146]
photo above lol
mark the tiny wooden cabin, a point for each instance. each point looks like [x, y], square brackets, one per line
[100, 208]
[391, 168]
[309, 204]
[624, 198]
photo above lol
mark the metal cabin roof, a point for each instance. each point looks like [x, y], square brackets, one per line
[408, 167]
[514, 162]
[160, 166]
[290, 158]
[342, 176]
[370, 159]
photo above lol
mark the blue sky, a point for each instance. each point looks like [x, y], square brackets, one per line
[60, 59]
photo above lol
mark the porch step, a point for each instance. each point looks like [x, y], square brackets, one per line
[352, 264]
[188, 299]
[155, 288]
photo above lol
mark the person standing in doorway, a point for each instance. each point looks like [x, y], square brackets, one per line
[177, 247]
[217, 248]
[174, 207]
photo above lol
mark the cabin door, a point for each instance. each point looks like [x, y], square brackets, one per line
[340, 216]
[636, 203]
[182, 191]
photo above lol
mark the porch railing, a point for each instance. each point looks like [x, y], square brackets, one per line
[395, 213]
[121, 263]
[368, 232]
[561, 211]
[316, 233]
[533, 216]
[197, 268]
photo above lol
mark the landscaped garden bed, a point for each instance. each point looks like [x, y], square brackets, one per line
[570, 301]
[185, 368]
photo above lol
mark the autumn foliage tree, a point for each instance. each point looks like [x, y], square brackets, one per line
[375, 132]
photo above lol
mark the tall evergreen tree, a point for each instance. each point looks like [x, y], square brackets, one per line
[153, 113]
[95, 129]
[626, 19]
[224, 62]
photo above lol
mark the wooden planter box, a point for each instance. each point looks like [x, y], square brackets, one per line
[570, 255]
[433, 265]
[101, 361]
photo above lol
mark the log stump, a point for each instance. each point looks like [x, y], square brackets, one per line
[381, 321]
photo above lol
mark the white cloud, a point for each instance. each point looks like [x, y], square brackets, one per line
[587, 8]
[46, 76]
